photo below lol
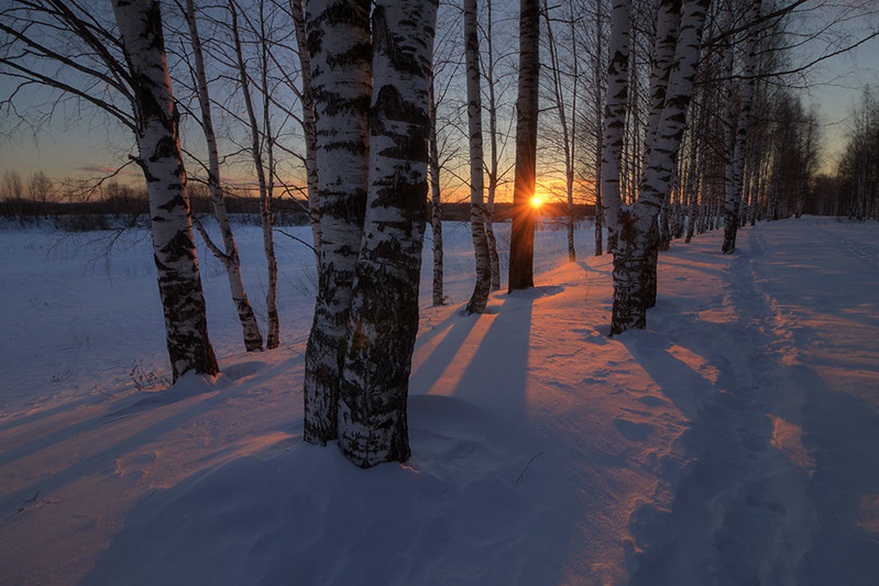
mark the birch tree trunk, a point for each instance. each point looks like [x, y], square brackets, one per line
[493, 256]
[736, 161]
[264, 180]
[633, 225]
[758, 188]
[340, 48]
[568, 131]
[436, 220]
[668, 21]
[494, 261]
[229, 255]
[384, 310]
[614, 123]
[522, 233]
[482, 287]
[573, 139]
[186, 332]
[694, 178]
[665, 44]
[494, 154]
[308, 129]
[267, 199]
[599, 127]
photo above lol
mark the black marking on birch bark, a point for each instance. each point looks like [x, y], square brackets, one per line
[180, 286]
[384, 318]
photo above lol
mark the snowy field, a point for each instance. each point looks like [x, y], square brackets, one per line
[736, 441]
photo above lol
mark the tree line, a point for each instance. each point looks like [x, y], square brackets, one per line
[81, 206]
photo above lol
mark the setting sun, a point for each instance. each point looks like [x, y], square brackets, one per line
[536, 201]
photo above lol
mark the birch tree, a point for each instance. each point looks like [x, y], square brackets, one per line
[495, 147]
[482, 287]
[442, 144]
[263, 162]
[436, 219]
[522, 234]
[614, 123]
[297, 13]
[567, 115]
[738, 130]
[340, 48]
[140, 28]
[598, 115]
[679, 33]
[229, 254]
[383, 321]
[858, 171]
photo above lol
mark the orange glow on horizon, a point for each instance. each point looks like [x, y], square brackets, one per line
[536, 201]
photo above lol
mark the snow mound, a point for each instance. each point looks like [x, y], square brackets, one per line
[299, 514]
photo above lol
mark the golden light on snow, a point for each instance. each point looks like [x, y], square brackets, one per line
[788, 439]
[870, 513]
[696, 363]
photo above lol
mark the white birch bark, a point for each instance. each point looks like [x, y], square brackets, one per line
[436, 220]
[340, 48]
[311, 178]
[694, 177]
[482, 287]
[760, 182]
[748, 183]
[599, 131]
[267, 191]
[229, 255]
[660, 164]
[568, 138]
[614, 123]
[667, 23]
[665, 45]
[262, 159]
[384, 310]
[635, 226]
[572, 138]
[494, 154]
[494, 262]
[189, 348]
[736, 161]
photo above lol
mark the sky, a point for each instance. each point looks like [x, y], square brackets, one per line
[80, 149]
[836, 87]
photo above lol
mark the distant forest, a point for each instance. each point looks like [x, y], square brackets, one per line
[121, 206]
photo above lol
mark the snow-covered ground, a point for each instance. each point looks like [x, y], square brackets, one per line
[736, 441]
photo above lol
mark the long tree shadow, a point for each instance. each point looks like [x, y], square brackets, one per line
[434, 367]
[80, 488]
[98, 442]
[471, 506]
[497, 374]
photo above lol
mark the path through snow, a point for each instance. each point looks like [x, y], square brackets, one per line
[784, 487]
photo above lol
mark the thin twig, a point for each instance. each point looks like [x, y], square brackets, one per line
[522, 473]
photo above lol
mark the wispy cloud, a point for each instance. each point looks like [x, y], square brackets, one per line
[107, 170]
